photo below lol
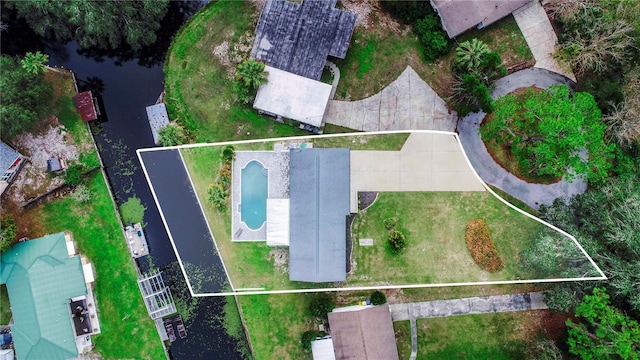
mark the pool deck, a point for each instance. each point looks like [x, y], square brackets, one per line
[277, 165]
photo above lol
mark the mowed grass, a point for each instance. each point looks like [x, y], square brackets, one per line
[127, 331]
[478, 337]
[436, 252]
[402, 331]
[378, 55]
[276, 324]
[198, 84]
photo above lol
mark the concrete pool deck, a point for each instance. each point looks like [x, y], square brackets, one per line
[277, 166]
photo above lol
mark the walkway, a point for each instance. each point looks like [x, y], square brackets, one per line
[408, 103]
[468, 128]
[540, 36]
[335, 71]
[465, 306]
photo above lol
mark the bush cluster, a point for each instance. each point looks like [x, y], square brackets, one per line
[308, 336]
[481, 248]
[319, 307]
[219, 191]
[433, 38]
[73, 174]
[396, 239]
[378, 298]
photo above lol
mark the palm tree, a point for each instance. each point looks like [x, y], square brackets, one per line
[34, 63]
[251, 74]
[469, 54]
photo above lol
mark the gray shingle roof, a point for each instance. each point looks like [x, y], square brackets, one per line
[298, 37]
[7, 156]
[319, 205]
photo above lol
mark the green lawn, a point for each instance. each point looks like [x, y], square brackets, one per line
[402, 330]
[276, 324]
[478, 337]
[378, 54]
[127, 329]
[436, 252]
[5, 306]
[198, 84]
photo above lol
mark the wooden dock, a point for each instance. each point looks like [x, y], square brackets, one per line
[136, 241]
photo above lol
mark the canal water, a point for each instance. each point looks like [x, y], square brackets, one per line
[128, 81]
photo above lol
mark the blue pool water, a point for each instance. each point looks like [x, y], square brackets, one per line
[253, 195]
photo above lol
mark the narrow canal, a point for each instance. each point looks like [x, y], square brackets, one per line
[128, 82]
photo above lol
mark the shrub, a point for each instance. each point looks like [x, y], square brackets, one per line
[218, 196]
[378, 298]
[319, 307]
[390, 223]
[73, 174]
[224, 176]
[432, 36]
[228, 154]
[172, 134]
[408, 11]
[81, 194]
[397, 241]
[8, 231]
[132, 211]
[308, 337]
[481, 248]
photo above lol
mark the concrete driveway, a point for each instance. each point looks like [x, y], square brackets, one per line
[426, 162]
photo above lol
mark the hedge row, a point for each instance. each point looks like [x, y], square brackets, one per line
[481, 248]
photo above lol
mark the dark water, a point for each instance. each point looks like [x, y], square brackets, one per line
[185, 219]
[128, 81]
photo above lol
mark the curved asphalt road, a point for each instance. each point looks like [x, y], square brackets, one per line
[533, 195]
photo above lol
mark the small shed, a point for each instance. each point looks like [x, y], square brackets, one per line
[322, 349]
[85, 106]
[292, 96]
[158, 118]
[55, 164]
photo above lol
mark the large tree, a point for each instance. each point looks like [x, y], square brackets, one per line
[94, 23]
[24, 97]
[548, 131]
[603, 331]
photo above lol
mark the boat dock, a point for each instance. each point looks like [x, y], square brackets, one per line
[179, 325]
[158, 118]
[136, 241]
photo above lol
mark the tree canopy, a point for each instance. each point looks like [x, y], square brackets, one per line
[547, 131]
[249, 76]
[94, 23]
[24, 97]
[607, 334]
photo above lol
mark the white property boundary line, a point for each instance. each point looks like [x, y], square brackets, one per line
[261, 291]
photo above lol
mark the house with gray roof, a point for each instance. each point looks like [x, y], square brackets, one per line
[458, 16]
[51, 302]
[10, 163]
[319, 205]
[294, 40]
[297, 38]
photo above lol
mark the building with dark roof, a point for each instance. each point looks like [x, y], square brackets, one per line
[48, 292]
[458, 16]
[10, 163]
[363, 334]
[297, 38]
[319, 205]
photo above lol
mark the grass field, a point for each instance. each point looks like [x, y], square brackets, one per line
[5, 307]
[434, 223]
[198, 83]
[378, 54]
[402, 330]
[485, 336]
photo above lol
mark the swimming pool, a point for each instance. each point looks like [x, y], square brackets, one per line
[253, 195]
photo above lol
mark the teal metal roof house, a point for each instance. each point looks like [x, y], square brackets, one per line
[41, 279]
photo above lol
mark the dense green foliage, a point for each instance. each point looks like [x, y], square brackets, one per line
[250, 74]
[8, 232]
[475, 67]
[397, 241]
[34, 63]
[73, 174]
[307, 337]
[172, 134]
[218, 192]
[94, 23]
[433, 38]
[25, 98]
[132, 211]
[378, 298]
[408, 11]
[321, 306]
[603, 331]
[547, 130]
[606, 222]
